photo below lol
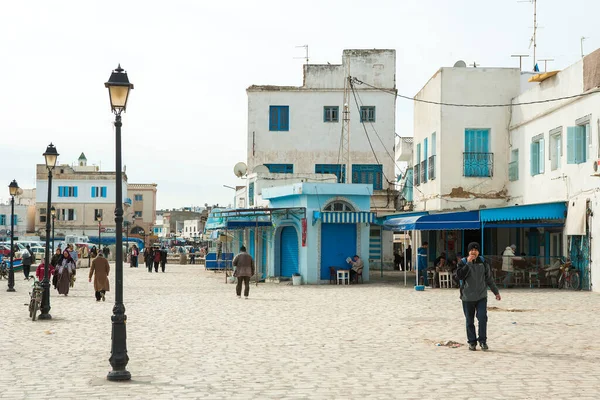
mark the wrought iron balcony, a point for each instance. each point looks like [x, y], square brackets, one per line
[431, 167]
[417, 176]
[478, 164]
[423, 171]
[513, 171]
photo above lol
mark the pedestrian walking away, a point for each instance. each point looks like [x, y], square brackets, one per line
[163, 258]
[99, 270]
[157, 257]
[148, 258]
[27, 261]
[408, 258]
[64, 271]
[476, 275]
[244, 269]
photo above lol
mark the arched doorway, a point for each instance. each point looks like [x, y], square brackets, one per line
[137, 230]
[289, 251]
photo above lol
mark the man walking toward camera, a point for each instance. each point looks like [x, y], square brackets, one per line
[475, 274]
[244, 269]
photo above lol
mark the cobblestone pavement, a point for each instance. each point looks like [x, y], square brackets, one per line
[190, 337]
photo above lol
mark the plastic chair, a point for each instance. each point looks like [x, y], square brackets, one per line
[445, 280]
[332, 275]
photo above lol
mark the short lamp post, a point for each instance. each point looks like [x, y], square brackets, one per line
[99, 219]
[50, 156]
[13, 189]
[118, 89]
[53, 214]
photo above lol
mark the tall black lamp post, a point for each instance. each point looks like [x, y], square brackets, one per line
[99, 219]
[118, 89]
[51, 155]
[13, 190]
[53, 213]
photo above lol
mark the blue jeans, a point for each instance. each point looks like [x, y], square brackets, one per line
[471, 308]
[423, 273]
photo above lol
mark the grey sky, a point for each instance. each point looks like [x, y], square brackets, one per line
[191, 62]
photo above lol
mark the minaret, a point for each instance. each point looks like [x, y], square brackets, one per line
[82, 160]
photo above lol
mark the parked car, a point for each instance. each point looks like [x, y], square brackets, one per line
[38, 251]
[5, 250]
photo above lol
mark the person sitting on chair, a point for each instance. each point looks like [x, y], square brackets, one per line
[357, 267]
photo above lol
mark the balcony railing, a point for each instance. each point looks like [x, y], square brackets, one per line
[478, 164]
[417, 176]
[423, 170]
[513, 171]
[431, 167]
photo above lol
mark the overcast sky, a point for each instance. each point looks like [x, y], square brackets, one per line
[191, 61]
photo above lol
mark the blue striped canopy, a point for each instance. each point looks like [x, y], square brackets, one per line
[347, 217]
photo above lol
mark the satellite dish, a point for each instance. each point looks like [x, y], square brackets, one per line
[240, 169]
[261, 169]
[460, 64]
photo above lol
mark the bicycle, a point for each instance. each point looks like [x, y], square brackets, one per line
[569, 277]
[36, 299]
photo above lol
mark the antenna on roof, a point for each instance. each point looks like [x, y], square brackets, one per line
[533, 39]
[306, 57]
[545, 60]
[582, 39]
[520, 59]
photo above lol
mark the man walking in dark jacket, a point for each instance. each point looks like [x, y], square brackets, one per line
[476, 276]
[244, 269]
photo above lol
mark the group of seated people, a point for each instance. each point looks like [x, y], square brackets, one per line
[443, 263]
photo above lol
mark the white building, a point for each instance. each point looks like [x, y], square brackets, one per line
[294, 132]
[192, 229]
[21, 222]
[460, 152]
[554, 155]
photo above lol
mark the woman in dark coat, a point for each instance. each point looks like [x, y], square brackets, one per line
[65, 269]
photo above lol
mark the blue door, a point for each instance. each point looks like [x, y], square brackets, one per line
[289, 251]
[338, 242]
[251, 244]
[476, 152]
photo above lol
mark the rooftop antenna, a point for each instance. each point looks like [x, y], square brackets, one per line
[533, 39]
[520, 59]
[545, 60]
[582, 39]
[475, 65]
[306, 57]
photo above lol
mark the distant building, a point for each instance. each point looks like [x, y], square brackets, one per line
[142, 212]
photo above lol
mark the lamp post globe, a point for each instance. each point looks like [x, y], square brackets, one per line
[50, 157]
[119, 87]
[13, 190]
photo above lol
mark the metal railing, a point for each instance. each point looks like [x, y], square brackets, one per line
[417, 175]
[431, 167]
[423, 170]
[478, 164]
[513, 171]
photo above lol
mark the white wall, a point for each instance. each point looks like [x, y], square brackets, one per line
[465, 86]
[310, 140]
[84, 194]
[22, 213]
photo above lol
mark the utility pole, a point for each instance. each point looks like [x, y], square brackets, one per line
[345, 172]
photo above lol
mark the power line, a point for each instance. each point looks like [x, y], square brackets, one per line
[439, 103]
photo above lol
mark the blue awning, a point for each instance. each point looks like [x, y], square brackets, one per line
[432, 222]
[546, 211]
[345, 217]
[402, 223]
[454, 220]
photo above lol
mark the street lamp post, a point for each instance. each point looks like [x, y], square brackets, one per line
[13, 190]
[53, 213]
[51, 155]
[118, 89]
[99, 219]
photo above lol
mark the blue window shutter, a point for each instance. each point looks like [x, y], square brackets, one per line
[433, 144]
[285, 118]
[571, 145]
[542, 159]
[2, 219]
[60, 191]
[273, 111]
[533, 162]
[75, 191]
[93, 193]
[425, 143]
[581, 144]
[103, 191]
[418, 153]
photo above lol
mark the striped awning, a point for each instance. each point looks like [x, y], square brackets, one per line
[346, 217]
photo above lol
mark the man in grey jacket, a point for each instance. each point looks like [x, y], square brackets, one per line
[244, 269]
[475, 275]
